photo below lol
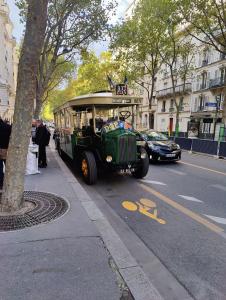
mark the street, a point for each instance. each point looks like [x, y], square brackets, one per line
[178, 212]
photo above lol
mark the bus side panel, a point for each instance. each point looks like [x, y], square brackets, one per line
[62, 141]
[68, 144]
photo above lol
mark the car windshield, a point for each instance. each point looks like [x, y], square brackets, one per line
[155, 136]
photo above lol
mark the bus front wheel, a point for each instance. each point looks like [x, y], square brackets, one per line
[89, 167]
[144, 165]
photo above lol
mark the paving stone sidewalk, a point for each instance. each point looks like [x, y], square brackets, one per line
[64, 259]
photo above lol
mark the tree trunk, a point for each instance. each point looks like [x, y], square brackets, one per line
[224, 110]
[175, 102]
[12, 197]
[152, 91]
[38, 105]
[177, 122]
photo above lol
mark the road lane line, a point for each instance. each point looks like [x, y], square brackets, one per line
[217, 219]
[153, 182]
[203, 168]
[176, 172]
[219, 186]
[189, 198]
[183, 209]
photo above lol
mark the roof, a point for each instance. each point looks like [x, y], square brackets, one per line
[101, 99]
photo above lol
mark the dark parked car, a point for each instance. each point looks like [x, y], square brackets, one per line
[159, 147]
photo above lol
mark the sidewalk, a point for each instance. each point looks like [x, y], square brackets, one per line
[64, 259]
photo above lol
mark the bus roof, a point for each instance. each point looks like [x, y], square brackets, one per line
[100, 99]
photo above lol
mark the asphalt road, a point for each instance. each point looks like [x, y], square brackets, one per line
[179, 213]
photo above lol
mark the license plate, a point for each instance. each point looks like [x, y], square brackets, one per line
[170, 155]
[127, 171]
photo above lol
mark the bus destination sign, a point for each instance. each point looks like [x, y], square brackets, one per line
[121, 89]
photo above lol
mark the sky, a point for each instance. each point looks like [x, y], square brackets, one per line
[18, 27]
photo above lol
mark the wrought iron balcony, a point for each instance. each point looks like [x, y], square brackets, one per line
[171, 109]
[203, 109]
[179, 89]
[217, 83]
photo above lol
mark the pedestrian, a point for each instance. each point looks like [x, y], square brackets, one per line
[33, 130]
[42, 138]
[5, 131]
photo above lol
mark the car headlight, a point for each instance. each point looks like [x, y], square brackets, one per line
[152, 146]
[143, 155]
[109, 158]
[178, 146]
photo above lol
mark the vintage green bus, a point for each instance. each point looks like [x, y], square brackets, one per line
[97, 132]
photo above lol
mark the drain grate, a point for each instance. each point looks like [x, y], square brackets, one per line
[47, 207]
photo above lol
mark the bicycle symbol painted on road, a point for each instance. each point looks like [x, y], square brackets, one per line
[144, 206]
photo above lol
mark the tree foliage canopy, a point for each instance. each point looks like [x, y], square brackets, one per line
[72, 25]
[91, 77]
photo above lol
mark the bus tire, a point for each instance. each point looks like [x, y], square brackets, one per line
[142, 170]
[89, 167]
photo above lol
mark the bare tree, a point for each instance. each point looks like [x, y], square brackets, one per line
[12, 196]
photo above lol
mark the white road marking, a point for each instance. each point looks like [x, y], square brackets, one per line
[219, 186]
[177, 172]
[217, 219]
[190, 198]
[153, 182]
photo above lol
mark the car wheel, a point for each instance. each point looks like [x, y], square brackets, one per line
[144, 166]
[89, 167]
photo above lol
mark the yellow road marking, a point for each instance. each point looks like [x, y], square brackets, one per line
[203, 168]
[143, 207]
[183, 209]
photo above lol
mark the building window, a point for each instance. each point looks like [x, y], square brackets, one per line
[171, 103]
[146, 120]
[204, 80]
[206, 127]
[163, 106]
[181, 104]
[222, 75]
[205, 57]
[151, 121]
[201, 102]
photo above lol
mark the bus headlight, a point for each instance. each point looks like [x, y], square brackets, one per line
[109, 158]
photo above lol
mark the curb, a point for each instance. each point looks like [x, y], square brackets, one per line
[133, 275]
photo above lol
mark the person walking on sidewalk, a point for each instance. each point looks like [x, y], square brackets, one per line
[5, 131]
[42, 138]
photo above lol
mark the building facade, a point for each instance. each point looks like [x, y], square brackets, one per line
[200, 99]
[208, 90]
[8, 63]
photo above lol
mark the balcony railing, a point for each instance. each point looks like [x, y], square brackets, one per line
[171, 109]
[217, 82]
[201, 86]
[180, 89]
[204, 109]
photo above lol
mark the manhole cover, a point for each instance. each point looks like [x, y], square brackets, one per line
[47, 207]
